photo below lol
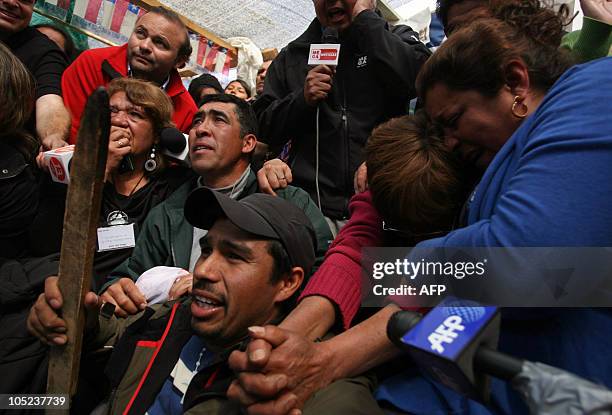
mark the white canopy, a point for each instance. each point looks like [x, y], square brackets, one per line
[274, 23]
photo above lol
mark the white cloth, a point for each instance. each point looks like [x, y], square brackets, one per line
[249, 60]
[155, 283]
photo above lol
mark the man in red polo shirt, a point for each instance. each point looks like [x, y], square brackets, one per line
[157, 47]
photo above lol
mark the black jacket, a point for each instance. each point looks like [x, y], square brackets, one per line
[374, 81]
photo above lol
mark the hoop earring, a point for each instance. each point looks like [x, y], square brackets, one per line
[151, 164]
[518, 101]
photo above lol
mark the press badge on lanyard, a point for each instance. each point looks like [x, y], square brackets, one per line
[119, 234]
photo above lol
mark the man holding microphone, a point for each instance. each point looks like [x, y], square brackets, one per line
[328, 112]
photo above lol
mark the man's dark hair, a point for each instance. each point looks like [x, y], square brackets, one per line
[282, 263]
[185, 49]
[205, 80]
[246, 115]
[443, 6]
[282, 267]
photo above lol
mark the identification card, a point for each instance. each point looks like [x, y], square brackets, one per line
[116, 237]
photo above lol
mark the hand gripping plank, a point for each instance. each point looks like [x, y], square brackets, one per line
[79, 239]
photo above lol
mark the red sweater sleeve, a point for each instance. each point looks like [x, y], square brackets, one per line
[79, 80]
[339, 277]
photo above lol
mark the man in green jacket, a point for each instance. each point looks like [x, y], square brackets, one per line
[221, 141]
[172, 358]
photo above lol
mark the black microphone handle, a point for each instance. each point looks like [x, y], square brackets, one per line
[330, 35]
[400, 323]
[497, 364]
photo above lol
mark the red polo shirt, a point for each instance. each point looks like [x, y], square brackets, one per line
[87, 73]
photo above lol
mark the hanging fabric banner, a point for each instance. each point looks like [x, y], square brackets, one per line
[227, 65]
[129, 20]
[194, 41]
[121, 7]
[108, 7]
[92, 10]
[202, 49]
[220, 60]
[211, 58]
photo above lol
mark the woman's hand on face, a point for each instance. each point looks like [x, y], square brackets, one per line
[119, 145]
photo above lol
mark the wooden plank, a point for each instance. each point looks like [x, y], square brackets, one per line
[269, 54]
[388, 12]
[79, 239]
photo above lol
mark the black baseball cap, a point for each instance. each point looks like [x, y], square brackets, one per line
[260, 214]
[203, 81]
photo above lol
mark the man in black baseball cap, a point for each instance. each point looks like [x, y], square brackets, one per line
[205, 84]
[253, 262]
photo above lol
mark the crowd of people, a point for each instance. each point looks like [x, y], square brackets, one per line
[242, 288]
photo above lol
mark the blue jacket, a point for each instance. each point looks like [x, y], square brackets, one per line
[549, 185]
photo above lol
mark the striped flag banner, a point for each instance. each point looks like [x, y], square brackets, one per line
[194, 40]
[118, 15]
[108, 7]
[209, 47]
[220, 60]
[227, 65]
[129, 19]
[93, 9]
[202, 49]
[87, 9]
[211, 58]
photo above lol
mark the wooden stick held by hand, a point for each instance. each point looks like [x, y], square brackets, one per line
[79, 238]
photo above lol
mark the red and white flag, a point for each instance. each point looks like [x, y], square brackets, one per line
[220, 60]
[227, 65]
[129, 20]
[202, 49]
[211, 58]
[119, 12]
